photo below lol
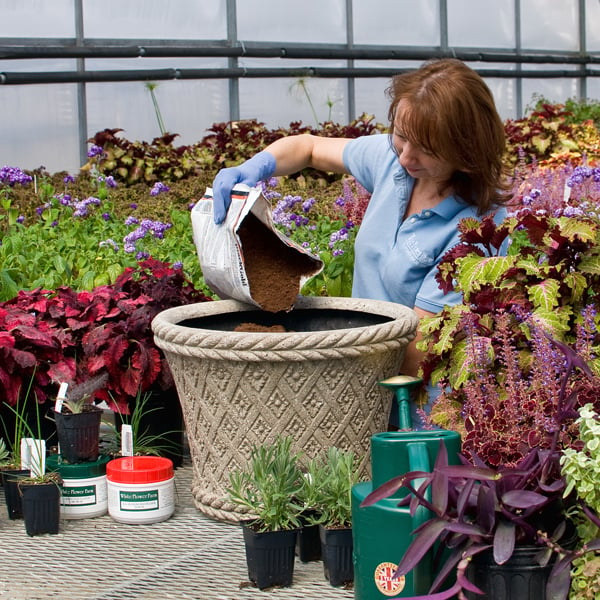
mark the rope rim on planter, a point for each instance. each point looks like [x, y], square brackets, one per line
[285, 346]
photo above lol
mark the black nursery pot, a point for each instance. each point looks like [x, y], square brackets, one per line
[12, 496]
[336, 549]
[79, 435]
[520, 578]
[308, 542]
[41, 507]
[270, 556]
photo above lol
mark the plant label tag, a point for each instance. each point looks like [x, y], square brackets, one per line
[33, 456]
[61, 396]
[126, 440]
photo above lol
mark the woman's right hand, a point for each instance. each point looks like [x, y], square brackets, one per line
[261, 166]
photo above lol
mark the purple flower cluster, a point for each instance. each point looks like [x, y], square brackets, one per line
[159, 188]
[567, 191]
[109, 181]
[13, 175]
[95, 151]
[338, 236]
[146, 227]
[82, 206]
[581, 173]
[267, 188]
[284, 213]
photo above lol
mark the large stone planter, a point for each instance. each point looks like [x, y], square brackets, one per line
[316, 382]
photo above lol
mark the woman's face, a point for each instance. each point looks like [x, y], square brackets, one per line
[419, 163]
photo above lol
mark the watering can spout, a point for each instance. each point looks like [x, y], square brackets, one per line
[402, 385]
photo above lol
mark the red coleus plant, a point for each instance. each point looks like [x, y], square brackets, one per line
[122, 342]
[33, 355]
[47, 337]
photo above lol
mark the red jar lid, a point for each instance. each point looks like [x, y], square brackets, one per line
[139, 469]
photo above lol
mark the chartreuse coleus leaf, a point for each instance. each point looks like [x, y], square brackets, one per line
[447, 324]
[530, 265]
[590, 263]
[476, 271]
[578, 284]
[554, 321]
[544, 294]
[461, 362]
[580, 229]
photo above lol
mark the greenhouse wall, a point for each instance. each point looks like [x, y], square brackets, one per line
[70, 68]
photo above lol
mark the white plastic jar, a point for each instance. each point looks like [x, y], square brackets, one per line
[140, 489]
[84, 489]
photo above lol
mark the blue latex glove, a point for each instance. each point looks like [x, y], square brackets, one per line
[260, 166]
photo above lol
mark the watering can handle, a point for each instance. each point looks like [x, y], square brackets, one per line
[418, 458]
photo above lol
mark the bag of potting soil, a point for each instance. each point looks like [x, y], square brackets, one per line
[245, 257]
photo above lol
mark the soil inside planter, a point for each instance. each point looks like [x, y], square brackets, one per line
[273, 268]
[297, 320]
[256, 328]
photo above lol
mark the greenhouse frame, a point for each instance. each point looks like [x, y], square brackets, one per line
[70, 68]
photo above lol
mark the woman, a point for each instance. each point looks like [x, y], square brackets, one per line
[442, 162]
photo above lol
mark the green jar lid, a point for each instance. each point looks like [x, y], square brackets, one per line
[83, 470]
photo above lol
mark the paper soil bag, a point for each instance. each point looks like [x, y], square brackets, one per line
[245, 257]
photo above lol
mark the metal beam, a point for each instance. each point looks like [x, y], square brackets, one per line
[9, 78]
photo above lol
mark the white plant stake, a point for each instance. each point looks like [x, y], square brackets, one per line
[33, 456]
[126, 440]
[61, 396]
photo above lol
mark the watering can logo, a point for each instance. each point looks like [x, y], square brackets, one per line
[385, 581]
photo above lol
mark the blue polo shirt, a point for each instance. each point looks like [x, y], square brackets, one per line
[397, 260]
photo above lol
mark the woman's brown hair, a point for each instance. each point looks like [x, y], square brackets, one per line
[452, 115]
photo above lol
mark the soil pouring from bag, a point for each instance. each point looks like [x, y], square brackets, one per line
[273, 269]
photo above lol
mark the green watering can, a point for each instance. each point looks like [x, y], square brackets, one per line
[382, 532]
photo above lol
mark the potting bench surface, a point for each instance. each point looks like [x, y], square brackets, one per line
[189, 556]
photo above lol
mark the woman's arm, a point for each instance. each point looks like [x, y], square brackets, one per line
[413, 357]
[294, 153]
[283, 157]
